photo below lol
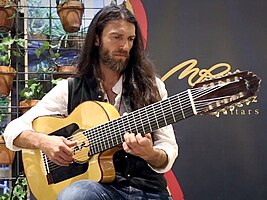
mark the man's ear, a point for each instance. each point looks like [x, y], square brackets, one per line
[97, 40]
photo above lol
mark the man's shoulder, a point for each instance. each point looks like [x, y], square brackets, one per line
[160, 83]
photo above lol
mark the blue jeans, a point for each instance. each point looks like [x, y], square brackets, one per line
[89, 190]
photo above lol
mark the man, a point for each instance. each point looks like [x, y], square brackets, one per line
[113, 67]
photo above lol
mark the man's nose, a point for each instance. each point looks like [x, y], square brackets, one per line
[124, 45]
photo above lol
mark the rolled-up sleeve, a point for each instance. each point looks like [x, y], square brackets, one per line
[54, 102]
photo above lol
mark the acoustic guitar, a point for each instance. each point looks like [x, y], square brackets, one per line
[99, 130]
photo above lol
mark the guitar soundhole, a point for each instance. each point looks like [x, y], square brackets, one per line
[61, 173]
[67, 130]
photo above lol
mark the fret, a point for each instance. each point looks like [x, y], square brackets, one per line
[116, 136]
[172, 113]
[102, 143]
[113, 136]
[94, 147]
[181, 108]
[155, 116]
[128, 120]
[168, 112]
[142, 124]
[87, 134]
[139, 123]
[150, 117]
[165, 121]
[123, 123]
[135, 124]
[175, 101]
[108, 132]
[100, 135]
[148, 120]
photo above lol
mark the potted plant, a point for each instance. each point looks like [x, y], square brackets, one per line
[8, 10]
[6, 155]
[30, 95]
[70, 13]
[7, 73]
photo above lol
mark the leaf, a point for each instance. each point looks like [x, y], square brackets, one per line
[4, 58]
[57, 55]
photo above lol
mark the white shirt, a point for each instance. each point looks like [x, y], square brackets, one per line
[56, 102]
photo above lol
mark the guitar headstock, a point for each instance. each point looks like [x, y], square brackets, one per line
[212, 96]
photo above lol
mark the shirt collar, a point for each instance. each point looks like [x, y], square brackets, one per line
[117, 88]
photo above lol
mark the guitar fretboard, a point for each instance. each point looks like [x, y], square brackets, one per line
[144, 120]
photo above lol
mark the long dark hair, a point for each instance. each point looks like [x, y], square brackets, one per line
[139, 83]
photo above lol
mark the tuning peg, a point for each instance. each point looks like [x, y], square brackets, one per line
[236, 71]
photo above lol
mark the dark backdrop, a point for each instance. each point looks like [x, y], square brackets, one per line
[225, 157]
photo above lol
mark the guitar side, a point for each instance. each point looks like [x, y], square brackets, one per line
[100, 166]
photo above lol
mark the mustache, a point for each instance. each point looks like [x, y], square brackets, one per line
[121, 52]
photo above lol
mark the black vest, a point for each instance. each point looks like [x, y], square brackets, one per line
[130, 170]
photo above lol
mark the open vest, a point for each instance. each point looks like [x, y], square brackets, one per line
[130, 170]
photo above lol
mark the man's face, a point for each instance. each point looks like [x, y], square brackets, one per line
[115, 44]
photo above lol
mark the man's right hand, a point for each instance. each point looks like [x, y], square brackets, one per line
[58, 149]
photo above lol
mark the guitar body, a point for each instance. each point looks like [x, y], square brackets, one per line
[99, 167]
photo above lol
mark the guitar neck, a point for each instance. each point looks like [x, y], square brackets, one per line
[144, 120]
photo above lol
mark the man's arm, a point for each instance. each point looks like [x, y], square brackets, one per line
[53, 103]
[58, 149]
[158, 159]
[22, 140]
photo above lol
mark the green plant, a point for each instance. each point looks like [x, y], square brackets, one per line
[18, 192]
[33, 90]
[52, 53]
[6, 51]
[49, 51]
[55, 81]
[3, 113]
[3, 108]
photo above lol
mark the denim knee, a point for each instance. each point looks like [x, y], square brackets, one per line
[87, 190]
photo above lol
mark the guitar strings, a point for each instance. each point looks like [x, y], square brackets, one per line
[96, 130]
[196, 93]
[98, 137]
[174, 107]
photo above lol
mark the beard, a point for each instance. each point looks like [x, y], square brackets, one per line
[116, 65]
